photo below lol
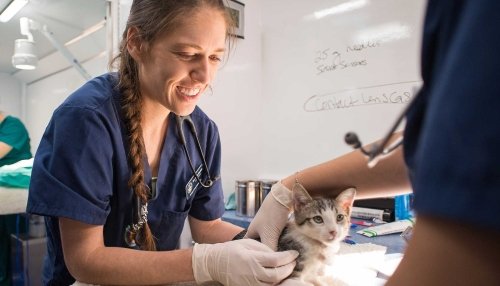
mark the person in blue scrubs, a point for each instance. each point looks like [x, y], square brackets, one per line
[450, 156]
[111, 176]
[14, 146]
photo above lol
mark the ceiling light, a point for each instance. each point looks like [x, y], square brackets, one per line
[24, 54]
[25, 57]
[12, 9]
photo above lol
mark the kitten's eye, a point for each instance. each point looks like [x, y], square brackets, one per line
[340, 217]
[318, 219]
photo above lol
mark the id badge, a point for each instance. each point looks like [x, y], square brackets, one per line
[193, 183]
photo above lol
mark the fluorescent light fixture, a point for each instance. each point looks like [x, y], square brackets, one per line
[341, 8]
[384, 33]
[12, 9]
[87, 32]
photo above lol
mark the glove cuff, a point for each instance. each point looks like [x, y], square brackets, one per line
[199, 262]
[282, 195]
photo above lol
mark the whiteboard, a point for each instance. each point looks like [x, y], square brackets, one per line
[330, 67]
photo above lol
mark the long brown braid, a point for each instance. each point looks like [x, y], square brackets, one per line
[152, 19]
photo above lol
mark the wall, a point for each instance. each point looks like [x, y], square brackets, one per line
[11, 95]
[236, 102]
[45, 95]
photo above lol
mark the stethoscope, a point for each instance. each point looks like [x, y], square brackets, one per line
[382, 148]
[180, 120]
[140, 210]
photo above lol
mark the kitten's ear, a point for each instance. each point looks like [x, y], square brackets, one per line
[346, 198]
[300, 196]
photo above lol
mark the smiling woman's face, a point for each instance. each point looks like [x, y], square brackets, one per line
[178, 67]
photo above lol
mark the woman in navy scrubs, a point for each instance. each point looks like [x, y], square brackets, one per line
[111, 176]
[450, 156]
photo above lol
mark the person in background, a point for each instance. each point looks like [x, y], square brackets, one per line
[14, 140]
[111, 176]
[14, 146]
[450, 157]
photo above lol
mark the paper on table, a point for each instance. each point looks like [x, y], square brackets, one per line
[355, 265]
[391, 262]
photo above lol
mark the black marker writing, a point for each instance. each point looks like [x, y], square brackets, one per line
[363, 46]
[395, 93]
[328, 61]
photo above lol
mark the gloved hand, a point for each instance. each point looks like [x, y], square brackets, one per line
[241, 262]
[272, 216]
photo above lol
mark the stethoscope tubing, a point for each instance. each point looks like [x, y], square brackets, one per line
[140, 209]
[180, 121]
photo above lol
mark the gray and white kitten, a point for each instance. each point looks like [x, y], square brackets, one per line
[315, 230]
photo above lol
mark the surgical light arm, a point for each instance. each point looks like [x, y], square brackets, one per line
[29, 24]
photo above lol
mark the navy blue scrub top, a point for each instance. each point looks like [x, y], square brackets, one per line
[81, 172]
[452, 137]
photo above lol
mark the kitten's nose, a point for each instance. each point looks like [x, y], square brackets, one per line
[333, 233]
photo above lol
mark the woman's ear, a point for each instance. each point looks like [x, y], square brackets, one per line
[134, 43]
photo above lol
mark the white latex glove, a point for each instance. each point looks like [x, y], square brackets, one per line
[272, 216]
[241, 262]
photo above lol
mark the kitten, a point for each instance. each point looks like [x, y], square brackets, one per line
[315, 230]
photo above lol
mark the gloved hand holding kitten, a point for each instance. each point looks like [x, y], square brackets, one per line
[272, 216]
[241, 262]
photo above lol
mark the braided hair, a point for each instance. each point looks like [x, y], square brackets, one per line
[151, 19]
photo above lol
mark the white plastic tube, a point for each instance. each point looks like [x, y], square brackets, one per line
[387, 228]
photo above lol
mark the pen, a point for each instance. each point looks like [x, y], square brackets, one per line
[361, 222]
[348, 241]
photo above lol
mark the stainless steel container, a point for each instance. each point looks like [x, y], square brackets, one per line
[247, 198]
[36, 226]
[265, 188]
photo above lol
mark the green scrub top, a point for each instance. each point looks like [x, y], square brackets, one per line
[14, 133]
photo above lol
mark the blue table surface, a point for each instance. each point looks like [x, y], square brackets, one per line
[394, 242]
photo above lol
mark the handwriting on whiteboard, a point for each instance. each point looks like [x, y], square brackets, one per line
[393, 93]
[328, 60]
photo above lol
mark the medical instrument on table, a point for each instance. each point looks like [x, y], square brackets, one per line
[380, 149]
[140, 210]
